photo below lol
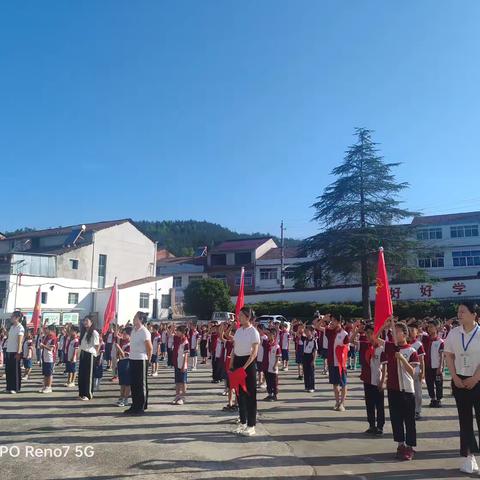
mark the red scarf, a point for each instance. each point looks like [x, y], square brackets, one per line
[237, 380]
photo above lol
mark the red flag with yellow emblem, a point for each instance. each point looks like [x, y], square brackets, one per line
[383, 298]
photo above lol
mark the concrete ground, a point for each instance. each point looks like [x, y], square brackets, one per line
[299, 437]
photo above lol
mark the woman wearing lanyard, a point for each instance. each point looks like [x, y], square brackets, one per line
[89, 346]
[462, 352]
[245, 348]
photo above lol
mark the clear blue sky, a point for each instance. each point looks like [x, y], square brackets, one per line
[230, 111]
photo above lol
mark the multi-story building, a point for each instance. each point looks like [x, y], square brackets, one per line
[69, 264]
[450, 245]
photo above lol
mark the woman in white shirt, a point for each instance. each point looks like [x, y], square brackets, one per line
[89, 346]
[245, 348]
[462, 352]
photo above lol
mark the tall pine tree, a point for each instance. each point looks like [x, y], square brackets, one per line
[357, 214]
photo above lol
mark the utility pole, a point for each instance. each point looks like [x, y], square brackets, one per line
[282, 257]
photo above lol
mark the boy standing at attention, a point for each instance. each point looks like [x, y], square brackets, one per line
[434, 364]
[271, 373]
[417, 344]
[48, 347]
[71, 356]
[27, 354]
[180, 360]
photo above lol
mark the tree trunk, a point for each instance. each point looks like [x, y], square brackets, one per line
[367, 313]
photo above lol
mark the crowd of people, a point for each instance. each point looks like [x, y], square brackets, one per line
[395, 361]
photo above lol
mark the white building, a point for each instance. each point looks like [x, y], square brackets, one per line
[69, 264]
[152, 295]
[452, 245]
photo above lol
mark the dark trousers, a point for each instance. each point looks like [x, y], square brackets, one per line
[272, 383]
[139, 384]
[85, 374]
[402, 416]
[308, 371]
[169, 357]
[374, 401]
[247, 402]
[13, 372]
[218, 372]
[434, 383]
[467, 401]
[214, 366]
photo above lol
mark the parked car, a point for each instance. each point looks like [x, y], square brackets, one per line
[221, 317]
[264, 320]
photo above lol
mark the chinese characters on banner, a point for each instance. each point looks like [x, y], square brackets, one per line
[459, 288]
[426, 290]
[395, 292]
[429, 291]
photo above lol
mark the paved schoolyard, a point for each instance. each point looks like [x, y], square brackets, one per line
[299, 437]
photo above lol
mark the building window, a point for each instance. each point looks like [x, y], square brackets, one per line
[289, 273]
[73, 298]
[248, 280]
[44, 297]
[429, 234]
[464, 231]
[73, 264]
[220, 276]
[194, 278]
[144, 300]
[177, 282]
[432, 261]
[243, 258]
[218, 259]
[466, 258]
[166, 301]
[102, 270]
[268, 274]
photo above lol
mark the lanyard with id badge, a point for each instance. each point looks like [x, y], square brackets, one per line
[467, 369]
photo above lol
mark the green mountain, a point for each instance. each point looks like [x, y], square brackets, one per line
[182, 237]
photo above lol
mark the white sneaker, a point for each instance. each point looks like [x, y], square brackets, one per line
[248, 432]
[47, 390]
[469, 465]
[311, 390]
[155, 374]
[13, 392]
[241, 427]
[180, 401]
[42, 390]
[341, 408]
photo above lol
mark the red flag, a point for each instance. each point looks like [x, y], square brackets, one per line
[237, 379]
[240, 298]
[383, 298]
[111, 309]
[37, 311]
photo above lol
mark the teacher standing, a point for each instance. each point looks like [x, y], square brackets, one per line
[140, 354]
[14, 353]
[245, 348]
[462, 353]
[89, 346]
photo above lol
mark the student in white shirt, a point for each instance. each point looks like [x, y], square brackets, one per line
[89, 346]
[244, 355]
[140, 353]
[14, 353]
[462, 353]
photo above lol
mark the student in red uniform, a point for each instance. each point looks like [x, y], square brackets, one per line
[271, 372]
[180, 359]
[261, 356]
[309, 358]
[416, 342]
[27, 354]
[232, 399]
[123, 366]
[284, 345]
[156, 340]
[219, 355]
[71, 355]
[299, 339]
[193, 339]
[48, 346]
[212, 349]
[434, 363]
[401, 359]
[204, 344]
[170, 345]
[373, 378]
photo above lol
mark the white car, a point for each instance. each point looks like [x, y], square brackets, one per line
[264, 320]
[221, 317]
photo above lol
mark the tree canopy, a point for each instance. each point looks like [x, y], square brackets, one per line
[205, 296]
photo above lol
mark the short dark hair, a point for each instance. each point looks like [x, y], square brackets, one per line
[413, 325]
[369, 327]
[471, 305]
[403, 327]
[142, 316]
[182, 329]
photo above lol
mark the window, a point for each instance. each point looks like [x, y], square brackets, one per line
[220, 276]
[466, 258]
[268, 274]
[44, 297]
[243, 258]
[144, 300]
[102, 270]
[289, 273]
[177, 282]
[194, 278]
[73, 298]
[73, 264]
[3, 293]
[218, 259]
[464, 231]
[248, 280]
[432, 261]
[166, 301]
[429, 234]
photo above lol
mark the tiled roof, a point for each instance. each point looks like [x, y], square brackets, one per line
[90, 227]
[241, 244]
[275, 253]
[447, 218]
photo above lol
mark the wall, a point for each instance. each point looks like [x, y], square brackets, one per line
[454, 289]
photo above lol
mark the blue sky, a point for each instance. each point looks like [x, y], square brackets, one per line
[230, 111]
